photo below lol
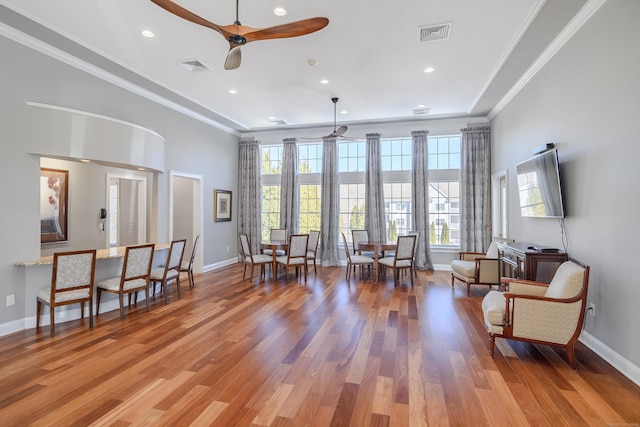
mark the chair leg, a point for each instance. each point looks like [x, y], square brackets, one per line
[570, 356]
[178, 286]
[148, 299]
[90, 304]
[52, 320]
[492, 343]
[38, 311]
[411, 274]
[99, 290]
[163, 286]
[244, 271]
[192, 281]
[82, 310]
[121, 301]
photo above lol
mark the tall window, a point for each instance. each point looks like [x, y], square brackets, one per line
[351, 208]
[444, 190]
[396, 175]
[310, 179]
[351, 168]
[271, 168]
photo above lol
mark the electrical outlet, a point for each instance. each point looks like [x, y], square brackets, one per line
[11, 300]
[592, 309]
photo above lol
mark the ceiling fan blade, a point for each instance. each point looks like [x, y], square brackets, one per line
[234, 57]
[340, 131]
[183, 13]
[292, 29]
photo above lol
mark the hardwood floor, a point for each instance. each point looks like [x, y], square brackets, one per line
[321, 353]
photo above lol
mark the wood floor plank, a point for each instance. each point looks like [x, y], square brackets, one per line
[289, 353]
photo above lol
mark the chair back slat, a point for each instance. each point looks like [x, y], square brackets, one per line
[279, 234]
[405, 247]
[137, 261]
[175, 254]
[73, 270]
[357, 237]
[246, 246]
[312, 244]
[298, 245]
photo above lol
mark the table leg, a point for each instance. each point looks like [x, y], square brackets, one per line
[274, 268]
[375, 258]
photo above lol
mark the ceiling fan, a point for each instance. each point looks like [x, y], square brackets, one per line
[238, 34]
[339, 132]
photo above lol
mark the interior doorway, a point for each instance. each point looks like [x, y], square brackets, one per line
[185, 213]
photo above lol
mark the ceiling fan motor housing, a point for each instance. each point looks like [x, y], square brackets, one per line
[237, 39]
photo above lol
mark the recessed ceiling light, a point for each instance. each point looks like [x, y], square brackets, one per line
[147, 33]
[280, 11]
[421, 106]
[429, 70]
[140, 169]
[85, 160]
[233, 91]
[344, 112]
[324, 81]
[272, 117]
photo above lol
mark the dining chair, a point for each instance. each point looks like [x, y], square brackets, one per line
[187, 266]
[312, 248]
[279, 234]
[136, 269]
[72, 278]
[249, 259]
[415, 249]
[403, 259]
[170, 270]
[355, 259]
[296, 256]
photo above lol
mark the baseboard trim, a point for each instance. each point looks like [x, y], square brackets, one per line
[220, 264]
[613, 358]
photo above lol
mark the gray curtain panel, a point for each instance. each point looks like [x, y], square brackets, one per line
[420, 198]
[475, 189]
[329, 204]
[249, 197]
[374, 221]
[289, 196]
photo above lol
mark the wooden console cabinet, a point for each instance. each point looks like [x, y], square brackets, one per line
[520, 260]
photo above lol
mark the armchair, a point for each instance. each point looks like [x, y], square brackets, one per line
[551, 314]
[477, 268]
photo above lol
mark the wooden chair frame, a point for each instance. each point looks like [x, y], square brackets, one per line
[172, 264]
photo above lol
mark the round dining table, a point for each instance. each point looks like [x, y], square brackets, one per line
[274, 245]
[377, 247]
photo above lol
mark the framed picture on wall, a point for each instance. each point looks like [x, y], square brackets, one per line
[54, 189]
[221, 205]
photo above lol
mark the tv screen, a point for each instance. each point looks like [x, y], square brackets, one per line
[539, 186]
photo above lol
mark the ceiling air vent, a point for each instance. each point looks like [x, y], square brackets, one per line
[193, 65]
[430, 33]
[421, 111]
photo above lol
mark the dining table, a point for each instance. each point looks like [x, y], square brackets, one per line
[274, 245]
[377, 247]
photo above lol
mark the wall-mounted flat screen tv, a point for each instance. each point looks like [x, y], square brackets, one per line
[539, 186]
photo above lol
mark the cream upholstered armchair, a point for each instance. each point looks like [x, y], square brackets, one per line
[551, 314]
[477, 268]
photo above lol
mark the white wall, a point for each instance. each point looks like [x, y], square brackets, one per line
[586, 100]
[190, 146]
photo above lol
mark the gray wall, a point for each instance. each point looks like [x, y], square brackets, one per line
[586, 100]
[190, 146]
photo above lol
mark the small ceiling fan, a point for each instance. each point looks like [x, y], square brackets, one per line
[337, 132]
[238, 34]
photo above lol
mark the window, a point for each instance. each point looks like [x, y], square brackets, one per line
[396, 156]
[310, 184]
[310, 199]
[271, 165]
[351, 215]
[397, 197]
